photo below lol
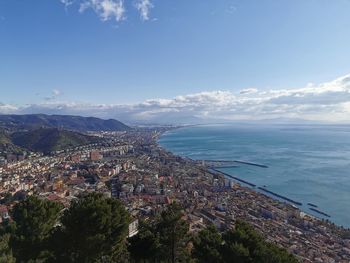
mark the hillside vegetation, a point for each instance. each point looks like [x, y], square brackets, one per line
[51, 139]
[4, 137]
[77, 123]
[6, 144]
[95, 229]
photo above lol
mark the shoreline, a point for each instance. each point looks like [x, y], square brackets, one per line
[253, 187]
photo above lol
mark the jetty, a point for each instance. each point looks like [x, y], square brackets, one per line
[235, 178]
[228, 163]
[250, 163]
[319, 212]
[280, 196]
[218, 163]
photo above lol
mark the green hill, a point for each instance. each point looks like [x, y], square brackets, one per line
[51, 139]
[6, 144]
[4, 138]
[68, 122]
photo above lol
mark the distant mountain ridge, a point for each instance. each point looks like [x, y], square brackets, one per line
[67, 122]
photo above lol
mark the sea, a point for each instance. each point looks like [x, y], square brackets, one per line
[306, 163]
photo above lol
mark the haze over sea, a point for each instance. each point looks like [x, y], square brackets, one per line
[307, 163]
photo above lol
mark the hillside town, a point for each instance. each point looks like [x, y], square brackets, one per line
[132, 167]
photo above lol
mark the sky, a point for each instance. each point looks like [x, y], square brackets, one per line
[176, 60]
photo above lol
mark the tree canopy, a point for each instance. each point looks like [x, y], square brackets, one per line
[95, 229]
[242, 245]
[208, 245]
[33, 221]
[6, 255]
[164, 240]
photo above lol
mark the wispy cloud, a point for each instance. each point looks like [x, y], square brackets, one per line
[111, 9]
[67, 3]
[144, 7]
[231, 9]
[324, 102]
[54, 95]
[105, 9]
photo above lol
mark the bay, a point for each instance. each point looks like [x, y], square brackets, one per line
[307, 163]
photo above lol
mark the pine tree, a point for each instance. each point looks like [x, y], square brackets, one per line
[33, 222]
[145, 246]
[173, 234]
[166, 237]
[207, 246]
[94, 229]
[5, 250]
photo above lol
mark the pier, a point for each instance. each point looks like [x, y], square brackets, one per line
[250, 163]
[228, 164]
[218, 164]
[320, 212]
[235, 178]
[225, 166]
[280, 196]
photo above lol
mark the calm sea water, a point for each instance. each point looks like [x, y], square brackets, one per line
[310, 164]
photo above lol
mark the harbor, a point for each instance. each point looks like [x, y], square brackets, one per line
[263, 189]
[280, 196]
[320, 212]
[215, 165]
[234, 177]
[253, 164]
[229, 163]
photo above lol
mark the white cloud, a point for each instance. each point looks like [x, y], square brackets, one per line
[248, 91]
[55, 93]
[111, 9]
[7, 109]
[144, 7]
[67, 3]
[325, 102]
[105, 9]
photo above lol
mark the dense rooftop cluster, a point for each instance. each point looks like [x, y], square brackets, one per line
[133, 168]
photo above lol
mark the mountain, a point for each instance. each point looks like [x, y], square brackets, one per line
[4, 137]
[77, 123]
[6, 144]
[51, 139]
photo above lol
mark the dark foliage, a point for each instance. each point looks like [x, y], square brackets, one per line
[6, 255]
[94, 229]
[6, 144]
[208, 246]
[51, 139]
[241, 245]
[164, 240]
[145, 246]
[77, 123]
[33, 221]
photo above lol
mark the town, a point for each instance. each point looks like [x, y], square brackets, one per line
[131, 166]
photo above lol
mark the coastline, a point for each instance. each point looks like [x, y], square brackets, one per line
[327, 219]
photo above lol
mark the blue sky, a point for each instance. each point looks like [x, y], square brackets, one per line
[116, 52]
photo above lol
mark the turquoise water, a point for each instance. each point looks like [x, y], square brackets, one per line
[310, 164]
